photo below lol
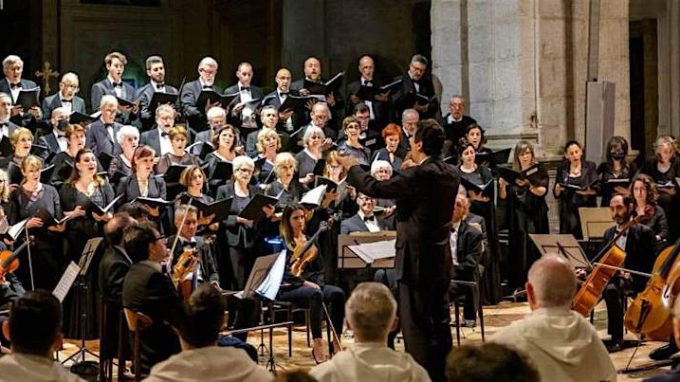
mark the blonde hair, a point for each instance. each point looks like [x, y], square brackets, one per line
[283, 159]
[120, 56]
[18, 133]
[4, 195]
[264, 134]
[177, 131]
[31, 162]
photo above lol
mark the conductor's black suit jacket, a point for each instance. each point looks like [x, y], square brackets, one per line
[425, 198]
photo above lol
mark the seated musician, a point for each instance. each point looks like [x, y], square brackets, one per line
[308, 289]
[12, 288]
[467, 247]
[201, 358]
[186, 223]
[638, 243]
[673, 374]
[147, 290]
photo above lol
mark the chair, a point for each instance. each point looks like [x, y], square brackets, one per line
[290, 310]
[105, 365]
[474, 286]
[136, 322]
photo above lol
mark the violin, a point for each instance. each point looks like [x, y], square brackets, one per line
[589, 294]
[651, 313]
[188, 263]
[9, 262]
[306, 253]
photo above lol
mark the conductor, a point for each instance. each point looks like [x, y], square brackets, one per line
[425, 195]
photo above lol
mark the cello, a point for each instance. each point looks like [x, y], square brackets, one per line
[588, 296]
[651, 313]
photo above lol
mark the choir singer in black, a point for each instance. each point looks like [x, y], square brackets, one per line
[425, 196]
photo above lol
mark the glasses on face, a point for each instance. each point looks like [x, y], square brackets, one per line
[161, 237]
[243, 169]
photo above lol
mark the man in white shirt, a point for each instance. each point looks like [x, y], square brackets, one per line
[562, 344]
[364, 220]
[201, 359]
[55, 140]
[371, 313]
[34, 327]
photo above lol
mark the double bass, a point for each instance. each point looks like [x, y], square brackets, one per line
[651, 313]
[611, 262]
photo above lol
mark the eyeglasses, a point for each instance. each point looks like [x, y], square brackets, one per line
[161, 237]
[243, 169]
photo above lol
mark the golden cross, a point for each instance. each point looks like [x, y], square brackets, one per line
[46, 73]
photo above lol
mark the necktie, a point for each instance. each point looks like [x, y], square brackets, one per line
[283, 94]
[15, 86]
[245, 89]
[64, 101]
[3, 125]
[368, 218]
[164, 134]
[117, 84]
[368, 83]
[160, 84]
[207, 87]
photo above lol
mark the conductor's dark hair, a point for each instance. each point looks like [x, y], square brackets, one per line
[34, 322]
[204, 317]
[136, 240]
[489, 362]
[136, 210]
[432, 135]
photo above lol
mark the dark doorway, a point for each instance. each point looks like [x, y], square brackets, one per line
[644, 89]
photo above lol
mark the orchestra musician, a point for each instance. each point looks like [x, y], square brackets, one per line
[638, 243]
[644, 194]
[308, 289]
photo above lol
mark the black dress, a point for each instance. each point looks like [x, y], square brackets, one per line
[526, 213]
[491, 278]
[670, 204]
[306, 163]
[47, 248]
[78, 231]
[569, 201]
[608, 180]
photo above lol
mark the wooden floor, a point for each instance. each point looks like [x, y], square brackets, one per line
[496, 317]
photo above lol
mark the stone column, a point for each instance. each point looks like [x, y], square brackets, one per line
[449, 49]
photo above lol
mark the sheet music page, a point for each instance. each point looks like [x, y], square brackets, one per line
[67, 279]
[369, 252]
[270, 286]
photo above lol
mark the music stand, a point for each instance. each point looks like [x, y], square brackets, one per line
[83, 307]
[595, 221]
[349, 259]
[564, 245]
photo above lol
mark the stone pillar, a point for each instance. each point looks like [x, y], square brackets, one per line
[303, 33]
[449, 49]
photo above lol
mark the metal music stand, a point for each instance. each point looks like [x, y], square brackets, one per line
[563, 245]
[82, 287]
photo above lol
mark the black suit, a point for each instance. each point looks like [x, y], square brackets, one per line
[455, 130]
[152, 138]
[98, 139]
[640, 256]
[194, 114]
[50, 141]
[298, 118]
[380, 109]
[425, 198]
[113, 267]
[207, 262]
[27, 120]
[105, 87]
[144, 95]
[357, 224]
[54, 101]
[469, 249]
[147, 290]
[337, 110]
[401, 97]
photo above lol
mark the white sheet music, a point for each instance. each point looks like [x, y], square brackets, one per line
[270, 286]
[370, 252]
[67, 279]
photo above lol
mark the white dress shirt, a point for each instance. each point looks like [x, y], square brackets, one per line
[371, 223]
[166, 144]
[453, 243]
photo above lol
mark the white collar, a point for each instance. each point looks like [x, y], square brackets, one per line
[424, 159]
[362, 215]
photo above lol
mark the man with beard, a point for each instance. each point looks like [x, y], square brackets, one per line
[155, 69]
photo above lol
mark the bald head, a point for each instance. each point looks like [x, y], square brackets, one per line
[551, 282]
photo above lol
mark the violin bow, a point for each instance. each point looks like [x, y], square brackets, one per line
[168, 265]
